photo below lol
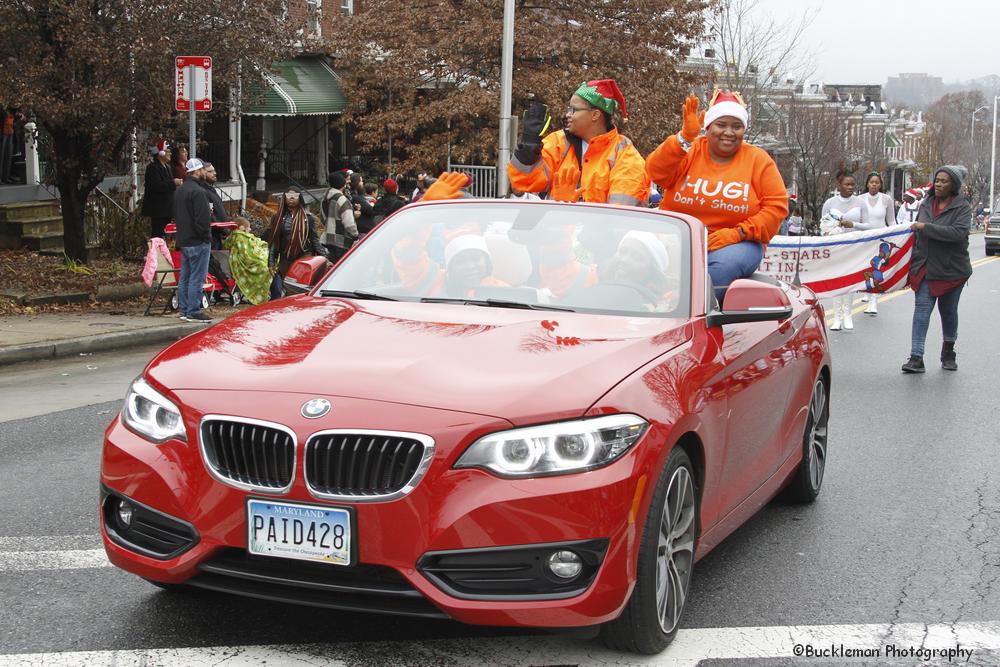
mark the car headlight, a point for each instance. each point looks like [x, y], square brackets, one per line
[151, 414]
[554, 449]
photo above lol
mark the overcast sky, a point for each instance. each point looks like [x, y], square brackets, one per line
[866, 41]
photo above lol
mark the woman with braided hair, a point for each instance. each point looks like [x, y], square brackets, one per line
[293, 234]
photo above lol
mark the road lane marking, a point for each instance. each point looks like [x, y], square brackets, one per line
[689, 648]
[73, 559]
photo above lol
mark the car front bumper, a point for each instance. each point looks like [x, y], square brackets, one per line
[403, 544]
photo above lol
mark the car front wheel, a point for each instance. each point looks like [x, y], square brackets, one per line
[652, 615]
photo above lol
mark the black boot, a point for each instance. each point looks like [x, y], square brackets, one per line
[948, 357]
[914, 365]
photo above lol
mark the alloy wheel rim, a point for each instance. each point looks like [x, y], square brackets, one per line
[675, 549]
[817, 435]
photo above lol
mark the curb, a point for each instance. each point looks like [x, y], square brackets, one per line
[13, 354]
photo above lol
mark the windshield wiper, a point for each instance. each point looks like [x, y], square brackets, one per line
[497, 303]
[356, 294]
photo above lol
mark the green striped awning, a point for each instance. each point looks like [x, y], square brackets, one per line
[300, 87]
[892, 141]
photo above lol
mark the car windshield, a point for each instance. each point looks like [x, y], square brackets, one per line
[524, 255]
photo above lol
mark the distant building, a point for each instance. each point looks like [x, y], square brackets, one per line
[914, 91]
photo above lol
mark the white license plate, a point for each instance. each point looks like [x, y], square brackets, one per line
[305, 532]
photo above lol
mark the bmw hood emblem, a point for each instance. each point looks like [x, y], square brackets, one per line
[315, 408]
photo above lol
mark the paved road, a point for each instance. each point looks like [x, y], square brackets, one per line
[900, 549]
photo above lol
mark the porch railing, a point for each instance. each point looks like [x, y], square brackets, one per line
[484, 178]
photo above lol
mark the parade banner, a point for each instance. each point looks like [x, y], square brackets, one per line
[876, 260]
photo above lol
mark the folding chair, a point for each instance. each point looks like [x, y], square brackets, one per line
[168, 277]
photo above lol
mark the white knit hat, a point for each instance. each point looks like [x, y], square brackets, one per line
[465, 242]
[726, 104]
[653, 245]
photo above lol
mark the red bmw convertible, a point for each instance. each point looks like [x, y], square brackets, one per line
[499, 412]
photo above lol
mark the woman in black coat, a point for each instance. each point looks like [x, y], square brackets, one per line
[940, 264]
[158, 200]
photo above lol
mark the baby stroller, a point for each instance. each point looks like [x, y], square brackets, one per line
[219, 283]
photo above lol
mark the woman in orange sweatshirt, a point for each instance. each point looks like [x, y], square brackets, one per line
[732, 187]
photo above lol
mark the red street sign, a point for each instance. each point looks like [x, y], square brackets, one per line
[200, 90]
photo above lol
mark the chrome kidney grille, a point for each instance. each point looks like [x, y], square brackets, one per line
[249, 454]
[365, 465]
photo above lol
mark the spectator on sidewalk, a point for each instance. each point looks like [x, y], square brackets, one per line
[340, 230]
[194, 239]
[362, 209]
[940, 264]
[178, 163]
[160, 186]
[293, 234]
[248, 261]
[7, 145]
[390, 202]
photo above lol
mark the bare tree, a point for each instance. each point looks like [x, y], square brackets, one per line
[817, 134]
[758, 51]
[951, 138]
[91, 72]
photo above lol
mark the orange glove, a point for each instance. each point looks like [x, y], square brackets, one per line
[447, 186]
[692, 119]
[720, 238]
[564, 184]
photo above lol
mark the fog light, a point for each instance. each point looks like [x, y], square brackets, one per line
[125, 513]
[565, 564]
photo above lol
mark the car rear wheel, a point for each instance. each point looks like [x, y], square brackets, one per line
[652, 615]
[808, 479]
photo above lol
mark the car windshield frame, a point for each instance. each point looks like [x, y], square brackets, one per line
[596, 236]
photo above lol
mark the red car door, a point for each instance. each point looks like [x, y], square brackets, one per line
[758, 383]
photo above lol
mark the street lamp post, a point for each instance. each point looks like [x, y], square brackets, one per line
[993, 159]
[972, 132]
[506, 76]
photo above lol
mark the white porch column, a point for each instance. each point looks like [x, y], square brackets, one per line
[33, 175]
[322, 148]
[234, 140]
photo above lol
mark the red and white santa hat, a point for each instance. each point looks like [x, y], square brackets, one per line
[915, 193]
[726, 104]
[162, 147]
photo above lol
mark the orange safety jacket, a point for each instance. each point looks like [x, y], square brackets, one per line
[612, 170]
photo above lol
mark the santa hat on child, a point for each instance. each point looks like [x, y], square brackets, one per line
[726, 104]
[913, 193]
[603, 94]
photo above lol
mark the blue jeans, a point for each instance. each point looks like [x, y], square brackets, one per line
[923, 306]
[277, 286]
[732, 262]
[194, 268]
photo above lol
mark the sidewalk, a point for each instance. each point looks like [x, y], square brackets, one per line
[48, 335]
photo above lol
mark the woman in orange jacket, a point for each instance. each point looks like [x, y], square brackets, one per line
[732, 187]
[606, 166]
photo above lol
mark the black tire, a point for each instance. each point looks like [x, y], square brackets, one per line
[642, 626]
[236, 298]
[808, 478]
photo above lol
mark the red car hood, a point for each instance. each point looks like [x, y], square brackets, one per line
[520, 365]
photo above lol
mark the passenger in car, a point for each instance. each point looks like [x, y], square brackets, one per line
[558, 268]
[641, 260]
[417, 273]
[734, 188]
[468, 265]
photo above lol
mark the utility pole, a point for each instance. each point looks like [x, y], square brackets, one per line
[993, 159]
[506, 82]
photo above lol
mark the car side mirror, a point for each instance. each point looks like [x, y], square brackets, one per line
[751, 301]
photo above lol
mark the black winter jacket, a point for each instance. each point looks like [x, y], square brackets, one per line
[158, 200]
[193, 214]
[943, 244]
[388, 203]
